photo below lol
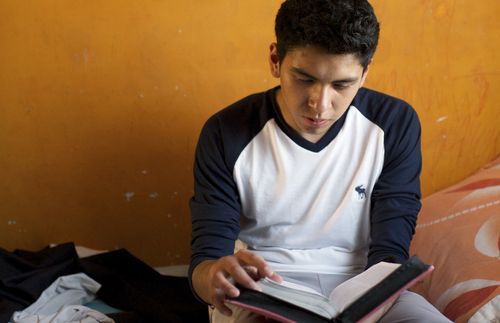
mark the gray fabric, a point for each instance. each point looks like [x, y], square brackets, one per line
[61, 301]
[68, 314]
[413, 308]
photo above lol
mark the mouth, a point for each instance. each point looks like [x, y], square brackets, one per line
[316, 122]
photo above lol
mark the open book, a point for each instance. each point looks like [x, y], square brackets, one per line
[354, 300]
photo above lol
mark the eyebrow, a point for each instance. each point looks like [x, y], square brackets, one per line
[304, 73]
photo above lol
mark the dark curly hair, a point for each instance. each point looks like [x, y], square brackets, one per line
[337, 26]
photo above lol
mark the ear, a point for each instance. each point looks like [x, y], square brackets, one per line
[274, 61]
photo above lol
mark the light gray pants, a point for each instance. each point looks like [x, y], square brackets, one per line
[408, 308]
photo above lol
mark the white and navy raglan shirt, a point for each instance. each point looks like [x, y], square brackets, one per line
[335, 206]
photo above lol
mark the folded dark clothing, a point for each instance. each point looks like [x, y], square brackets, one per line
[24, 275]
[126, 317]
[127, 283]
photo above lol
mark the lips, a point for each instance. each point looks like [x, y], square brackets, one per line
[316, 122]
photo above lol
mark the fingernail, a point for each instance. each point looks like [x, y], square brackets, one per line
[234, 292]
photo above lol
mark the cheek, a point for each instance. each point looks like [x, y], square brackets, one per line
[298, 103]
[344, 99]
[296, 96]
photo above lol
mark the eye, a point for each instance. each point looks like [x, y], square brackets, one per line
[341, 86]
[305, 80]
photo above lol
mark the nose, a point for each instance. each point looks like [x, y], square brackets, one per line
[320, 98]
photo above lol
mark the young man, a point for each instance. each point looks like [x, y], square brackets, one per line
[319, 177]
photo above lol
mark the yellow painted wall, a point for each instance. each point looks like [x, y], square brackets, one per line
[101, 103]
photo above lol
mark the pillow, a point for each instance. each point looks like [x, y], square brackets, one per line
[458, 231]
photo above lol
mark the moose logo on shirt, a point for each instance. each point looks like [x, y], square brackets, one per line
[361, 192]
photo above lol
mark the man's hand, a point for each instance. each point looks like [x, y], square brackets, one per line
[214, 280]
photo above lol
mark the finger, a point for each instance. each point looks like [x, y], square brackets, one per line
[252, 272]
[239, 274]
[251, 259]
[276, 277]
[225, 285]
[218, 303]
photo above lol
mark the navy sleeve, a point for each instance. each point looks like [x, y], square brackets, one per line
[396, 195]
[215, 206]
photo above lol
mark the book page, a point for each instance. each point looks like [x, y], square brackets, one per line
[294, 286]
[299, 295]
[347, 292]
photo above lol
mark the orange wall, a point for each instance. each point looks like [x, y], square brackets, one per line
[101, 103]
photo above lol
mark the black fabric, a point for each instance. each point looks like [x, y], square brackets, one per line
[127, 283]
[24, 275]
[126, 317]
